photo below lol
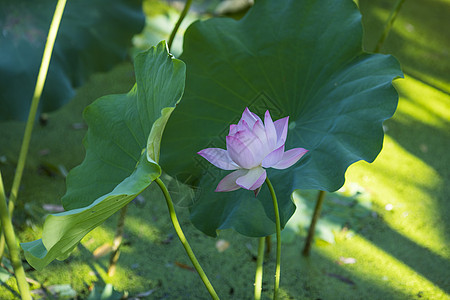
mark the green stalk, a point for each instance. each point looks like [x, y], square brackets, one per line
[278, 229]
[259, 268]
[268, 244]
[388, 25]
[54, 26]
[177, 25]
[312, 226]
[11, 241]
[117, 242]
[179, 231]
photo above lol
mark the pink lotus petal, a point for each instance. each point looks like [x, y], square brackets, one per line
[249, 117]
[253, 179]
[233, 129]
[253, 143]
[274, 157]
[239, 152]
[289, 158]
[281, 127]
[259, 130]
[244, 126]
[228, 183]
[256, 117]
[271, 133]
[252, 146]
[240, 125]
[219, 158]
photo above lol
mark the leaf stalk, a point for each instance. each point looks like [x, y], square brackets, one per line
[11, 241]
[184, 241]
[312, 226]
[387, 27]
[183, 14]
[117, 242]
[42, 76]
[45, 62]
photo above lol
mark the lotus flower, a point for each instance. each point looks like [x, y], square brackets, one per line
[251, 147]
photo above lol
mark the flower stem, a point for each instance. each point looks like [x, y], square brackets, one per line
[259, 268]
[278, 230]
[11, 241]
[177, 25]
[388, 25]
[183, 240]
[312, 226]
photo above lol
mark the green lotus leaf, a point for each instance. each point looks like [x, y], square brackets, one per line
[122, 150]
[298, 58]
[93, 36]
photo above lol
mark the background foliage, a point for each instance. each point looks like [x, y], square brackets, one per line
[93, 37]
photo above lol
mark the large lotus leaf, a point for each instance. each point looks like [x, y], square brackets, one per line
[122, 153]
[298, 58]
[93, 37]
